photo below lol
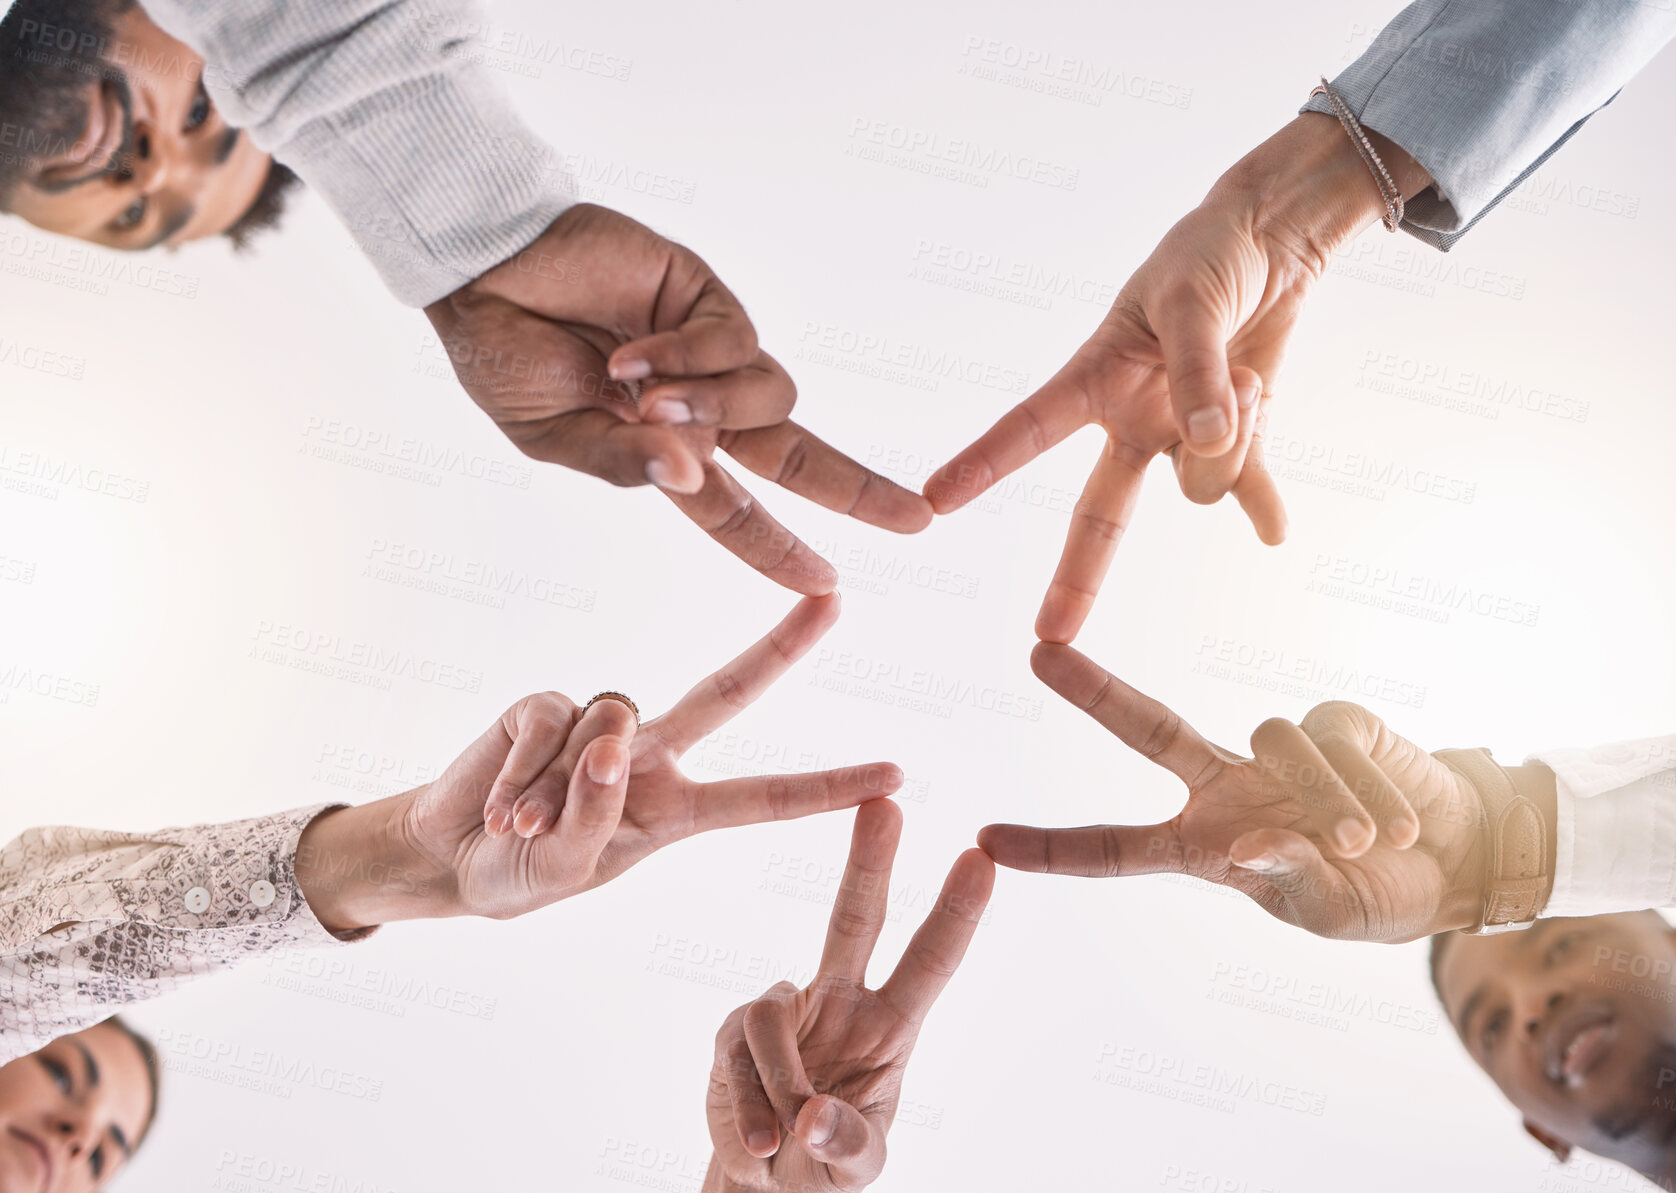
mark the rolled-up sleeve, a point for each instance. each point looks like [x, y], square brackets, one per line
[1615, 836]
[91, 921]
[384, 108]
[1482, 92]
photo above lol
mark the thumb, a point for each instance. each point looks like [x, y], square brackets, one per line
[1303, 886]
[1201, 389]
[839, 1136]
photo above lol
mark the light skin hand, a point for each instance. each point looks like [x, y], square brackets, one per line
[614, 351]
[1185, 360]
[1336, 824]
[549, 803]
[806, 1083]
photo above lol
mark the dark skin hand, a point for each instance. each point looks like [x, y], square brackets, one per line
[614, 351]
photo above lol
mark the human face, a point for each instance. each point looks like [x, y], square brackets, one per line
[1575, 1021]
[155, 164]
[72, 1113]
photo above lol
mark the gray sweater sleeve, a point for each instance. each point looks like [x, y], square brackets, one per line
[1482, 92]
[381, 107]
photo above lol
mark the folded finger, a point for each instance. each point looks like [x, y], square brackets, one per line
[1372, 787]
[1094, 851]
[538, 727]
[1293, 769]
[936, 949]
[1101, 516]
[1290, 878]
[1043, 419]
[858, 911]
[715, 335]
[758, 799]
[1195, 347]
[718, 698]
[1140, 722]
[538, 807]
[1258, 495]
[602, 444]
[761, 394]
[793, 458]
[754, 1119]
[730, 515]
[772, 1035]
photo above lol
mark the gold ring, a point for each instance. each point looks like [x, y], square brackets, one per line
[619, 698]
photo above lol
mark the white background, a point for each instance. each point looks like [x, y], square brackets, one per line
[590, 1074]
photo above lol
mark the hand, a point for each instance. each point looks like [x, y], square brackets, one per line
[1337, 825]
[806, 1082]
[1185, 358]
[549, 802]
[608, 349]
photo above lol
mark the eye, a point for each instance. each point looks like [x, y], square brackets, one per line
[59, 1073]
[1492, 1029]
[1557, 950]
[131, 216]
[200, 111]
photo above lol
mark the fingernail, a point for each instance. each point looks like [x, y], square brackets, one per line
[497, 822]
[1207, 425]
[1263, 861]
[670, 410]
[660, 473]
[760, 1143]
[1247, 395]
[630, 370]
[529, 821]
[826, 1122]
[606, 763]
[1349, 834]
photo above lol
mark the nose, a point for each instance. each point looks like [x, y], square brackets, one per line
[72, 1130]
[160, 157]
[1533, 1005]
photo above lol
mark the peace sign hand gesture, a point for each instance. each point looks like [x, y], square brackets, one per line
[806, 1082]
[552, 801]
[1336, 825]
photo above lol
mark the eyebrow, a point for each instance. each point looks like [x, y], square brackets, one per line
[224, 150]
[120, 1138]
[181, 217]
[87, 1058]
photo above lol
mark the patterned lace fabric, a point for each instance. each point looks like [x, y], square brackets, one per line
[91, 920]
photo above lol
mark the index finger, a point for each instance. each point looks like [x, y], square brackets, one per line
[1043, 419]
[937, 948]
[1139, 721]
[719, 697]
[790, 456]
[1102, 515]
[858, 912]
[727, 513]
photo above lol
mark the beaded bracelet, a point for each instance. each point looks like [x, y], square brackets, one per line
[1381, 176]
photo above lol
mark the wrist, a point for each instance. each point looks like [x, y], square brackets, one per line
[1308, 182]
[357, 871]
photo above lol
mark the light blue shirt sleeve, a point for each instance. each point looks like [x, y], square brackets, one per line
[1482, 92]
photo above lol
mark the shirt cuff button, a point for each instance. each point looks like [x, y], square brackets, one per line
[197, 900]
[262, 893]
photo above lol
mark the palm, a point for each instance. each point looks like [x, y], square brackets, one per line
[529, 773]
[1336, 825]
